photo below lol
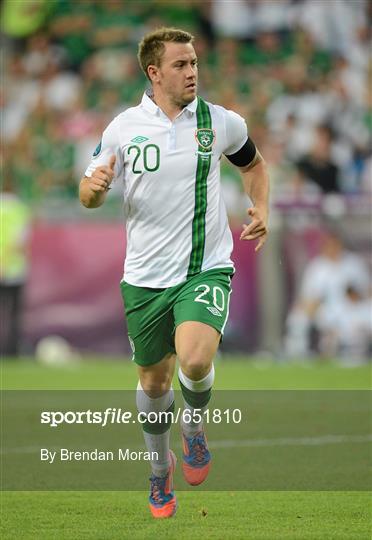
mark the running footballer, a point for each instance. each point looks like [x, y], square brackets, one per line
[176, 287]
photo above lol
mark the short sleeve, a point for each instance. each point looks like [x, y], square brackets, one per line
[108, 146]
[236, 132]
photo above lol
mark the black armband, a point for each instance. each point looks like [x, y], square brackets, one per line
[245, 155]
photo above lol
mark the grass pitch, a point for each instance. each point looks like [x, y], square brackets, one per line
[245, 515]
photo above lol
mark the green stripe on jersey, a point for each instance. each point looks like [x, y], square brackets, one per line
[203, 117]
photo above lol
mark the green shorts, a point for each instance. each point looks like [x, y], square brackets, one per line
[154, 314]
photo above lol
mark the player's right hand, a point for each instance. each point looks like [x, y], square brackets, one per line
[102, 176]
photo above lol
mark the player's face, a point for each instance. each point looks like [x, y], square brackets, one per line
[178, 73]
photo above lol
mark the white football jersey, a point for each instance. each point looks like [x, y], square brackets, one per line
[176, 219]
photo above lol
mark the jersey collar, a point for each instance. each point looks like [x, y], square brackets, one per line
[149, 105]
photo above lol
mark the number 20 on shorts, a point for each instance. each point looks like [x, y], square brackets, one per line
[217, 293]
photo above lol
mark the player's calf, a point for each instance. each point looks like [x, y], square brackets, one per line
[196, 456]
[156, 434]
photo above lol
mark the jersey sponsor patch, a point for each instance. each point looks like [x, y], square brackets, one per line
[214, 311]
[139, 139]
[98, 149]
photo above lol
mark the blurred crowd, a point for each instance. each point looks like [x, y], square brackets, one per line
[299, 71]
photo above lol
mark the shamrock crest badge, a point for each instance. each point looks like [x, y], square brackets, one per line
[205, 137]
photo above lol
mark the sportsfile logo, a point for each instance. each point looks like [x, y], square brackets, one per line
[113, 415]
[214, 311]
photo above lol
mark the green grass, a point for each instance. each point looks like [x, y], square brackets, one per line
[248, 515]
[231, 373]
[245, 515]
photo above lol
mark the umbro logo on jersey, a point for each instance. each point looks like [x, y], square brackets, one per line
[214, 311]
[139, 139]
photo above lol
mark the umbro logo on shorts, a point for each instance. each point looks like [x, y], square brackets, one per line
[214, 311]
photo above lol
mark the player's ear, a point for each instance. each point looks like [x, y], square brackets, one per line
[153, 73]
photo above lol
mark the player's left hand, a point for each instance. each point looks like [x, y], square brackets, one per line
[257, 228]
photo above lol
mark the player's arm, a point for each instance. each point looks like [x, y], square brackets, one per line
[93, 189]
[256, 185]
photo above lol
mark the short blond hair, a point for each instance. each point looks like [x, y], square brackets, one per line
[151, 48]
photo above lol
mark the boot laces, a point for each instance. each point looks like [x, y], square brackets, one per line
[198, 448]
[158, 488]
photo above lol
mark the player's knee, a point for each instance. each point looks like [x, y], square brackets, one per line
[156, 387]
[196, 366]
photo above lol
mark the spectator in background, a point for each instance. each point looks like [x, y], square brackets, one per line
[333, 25]
[56, 155]
[71, 25]
[20, 95]
[325, 282]
[115, 26]
[40, 53]
[350, 336]
[15, 228]
[60, 88]
[245, 18]
[317, 167]
[237, 23]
